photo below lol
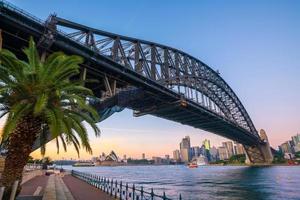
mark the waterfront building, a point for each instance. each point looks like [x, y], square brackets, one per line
[285, 147]
[157, 160]
[213, 154]
[296, 139]
[195, 151]
[176, 155]
[206, 144]
[185, 155]
[229, 146]
[223, 153]
[185, 146]
[167, 159]
[239, 149]
[124, 157]
[297, 148]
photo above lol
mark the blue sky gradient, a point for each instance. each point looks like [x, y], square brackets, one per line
[254, 45]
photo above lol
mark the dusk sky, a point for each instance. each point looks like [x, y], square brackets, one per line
[255, 45]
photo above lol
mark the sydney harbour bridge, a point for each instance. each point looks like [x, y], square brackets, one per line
[144, 76]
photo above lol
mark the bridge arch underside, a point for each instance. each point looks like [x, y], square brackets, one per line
[157, 92]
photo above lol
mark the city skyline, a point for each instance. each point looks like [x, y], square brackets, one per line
[269, 66]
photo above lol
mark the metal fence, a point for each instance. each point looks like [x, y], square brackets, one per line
[119, 189]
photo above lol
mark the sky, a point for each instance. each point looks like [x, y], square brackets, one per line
[254, 45]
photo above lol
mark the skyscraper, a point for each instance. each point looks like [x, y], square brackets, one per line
[185, 146]
[176, 155]
[206, 144]
[223, 153]
[229, 146]
[143, 156]
[285, 147]
[239, 148]
[296, 139]
[213, 153]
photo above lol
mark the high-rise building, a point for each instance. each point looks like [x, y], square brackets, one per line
[296, 139]
[185, 146]
[185, 143]
[229, 146]
[206, 144]
[213, 154]
[185, 155]
[195, 152]
[239, 149]
[223, 153]
[143, 156]
[285, 148]
[176, 155]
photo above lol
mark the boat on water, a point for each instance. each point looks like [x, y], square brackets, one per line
[192, 165]
[84, 164]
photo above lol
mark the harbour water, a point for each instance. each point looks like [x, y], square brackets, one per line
[210, 182]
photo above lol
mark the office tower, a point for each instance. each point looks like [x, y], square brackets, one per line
[176, 155]
[143, 156]
[185, 147]
[229, 146]
[223, 153]
[206, 144]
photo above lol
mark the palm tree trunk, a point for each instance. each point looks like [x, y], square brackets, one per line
[19, 148]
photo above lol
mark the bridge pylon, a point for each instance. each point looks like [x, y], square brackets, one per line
[261, 153]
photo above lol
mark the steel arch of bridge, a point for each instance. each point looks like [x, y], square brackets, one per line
[174, 69]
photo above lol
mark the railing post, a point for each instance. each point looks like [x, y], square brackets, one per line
[152, 194]
[111, 187]
[121, 191]
[164, 196]
[133, 191]
[126, 191]
[180, 198]
[142, 192]
[116, 188]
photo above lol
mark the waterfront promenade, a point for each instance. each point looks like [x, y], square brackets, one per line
[61, 187]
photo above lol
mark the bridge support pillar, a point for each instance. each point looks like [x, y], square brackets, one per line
[259, 154]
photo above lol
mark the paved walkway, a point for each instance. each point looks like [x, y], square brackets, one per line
[31, 186]
[56, 189]
[59, 187]
[83, 191]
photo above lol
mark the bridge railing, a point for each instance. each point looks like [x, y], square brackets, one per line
[118, 189]
[10, 6]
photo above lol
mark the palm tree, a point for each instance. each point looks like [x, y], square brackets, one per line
[38, 97]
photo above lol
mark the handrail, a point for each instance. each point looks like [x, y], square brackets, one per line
[119, 189]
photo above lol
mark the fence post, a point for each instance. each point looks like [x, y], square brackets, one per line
[116, 188]
[126, 191]
[1, 192]
[164, 196]
[14, 190]
[121, 191]
[142, 193]
[133, 191]
[111, 187]
[152, 194]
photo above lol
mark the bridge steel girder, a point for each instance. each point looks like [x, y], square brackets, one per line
[160, 70]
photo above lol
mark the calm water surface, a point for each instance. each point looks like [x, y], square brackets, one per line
[210, 182]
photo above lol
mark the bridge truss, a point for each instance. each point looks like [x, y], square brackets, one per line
[163, 81]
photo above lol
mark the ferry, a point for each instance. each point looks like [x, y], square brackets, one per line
[192, 165]
[83, 164]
